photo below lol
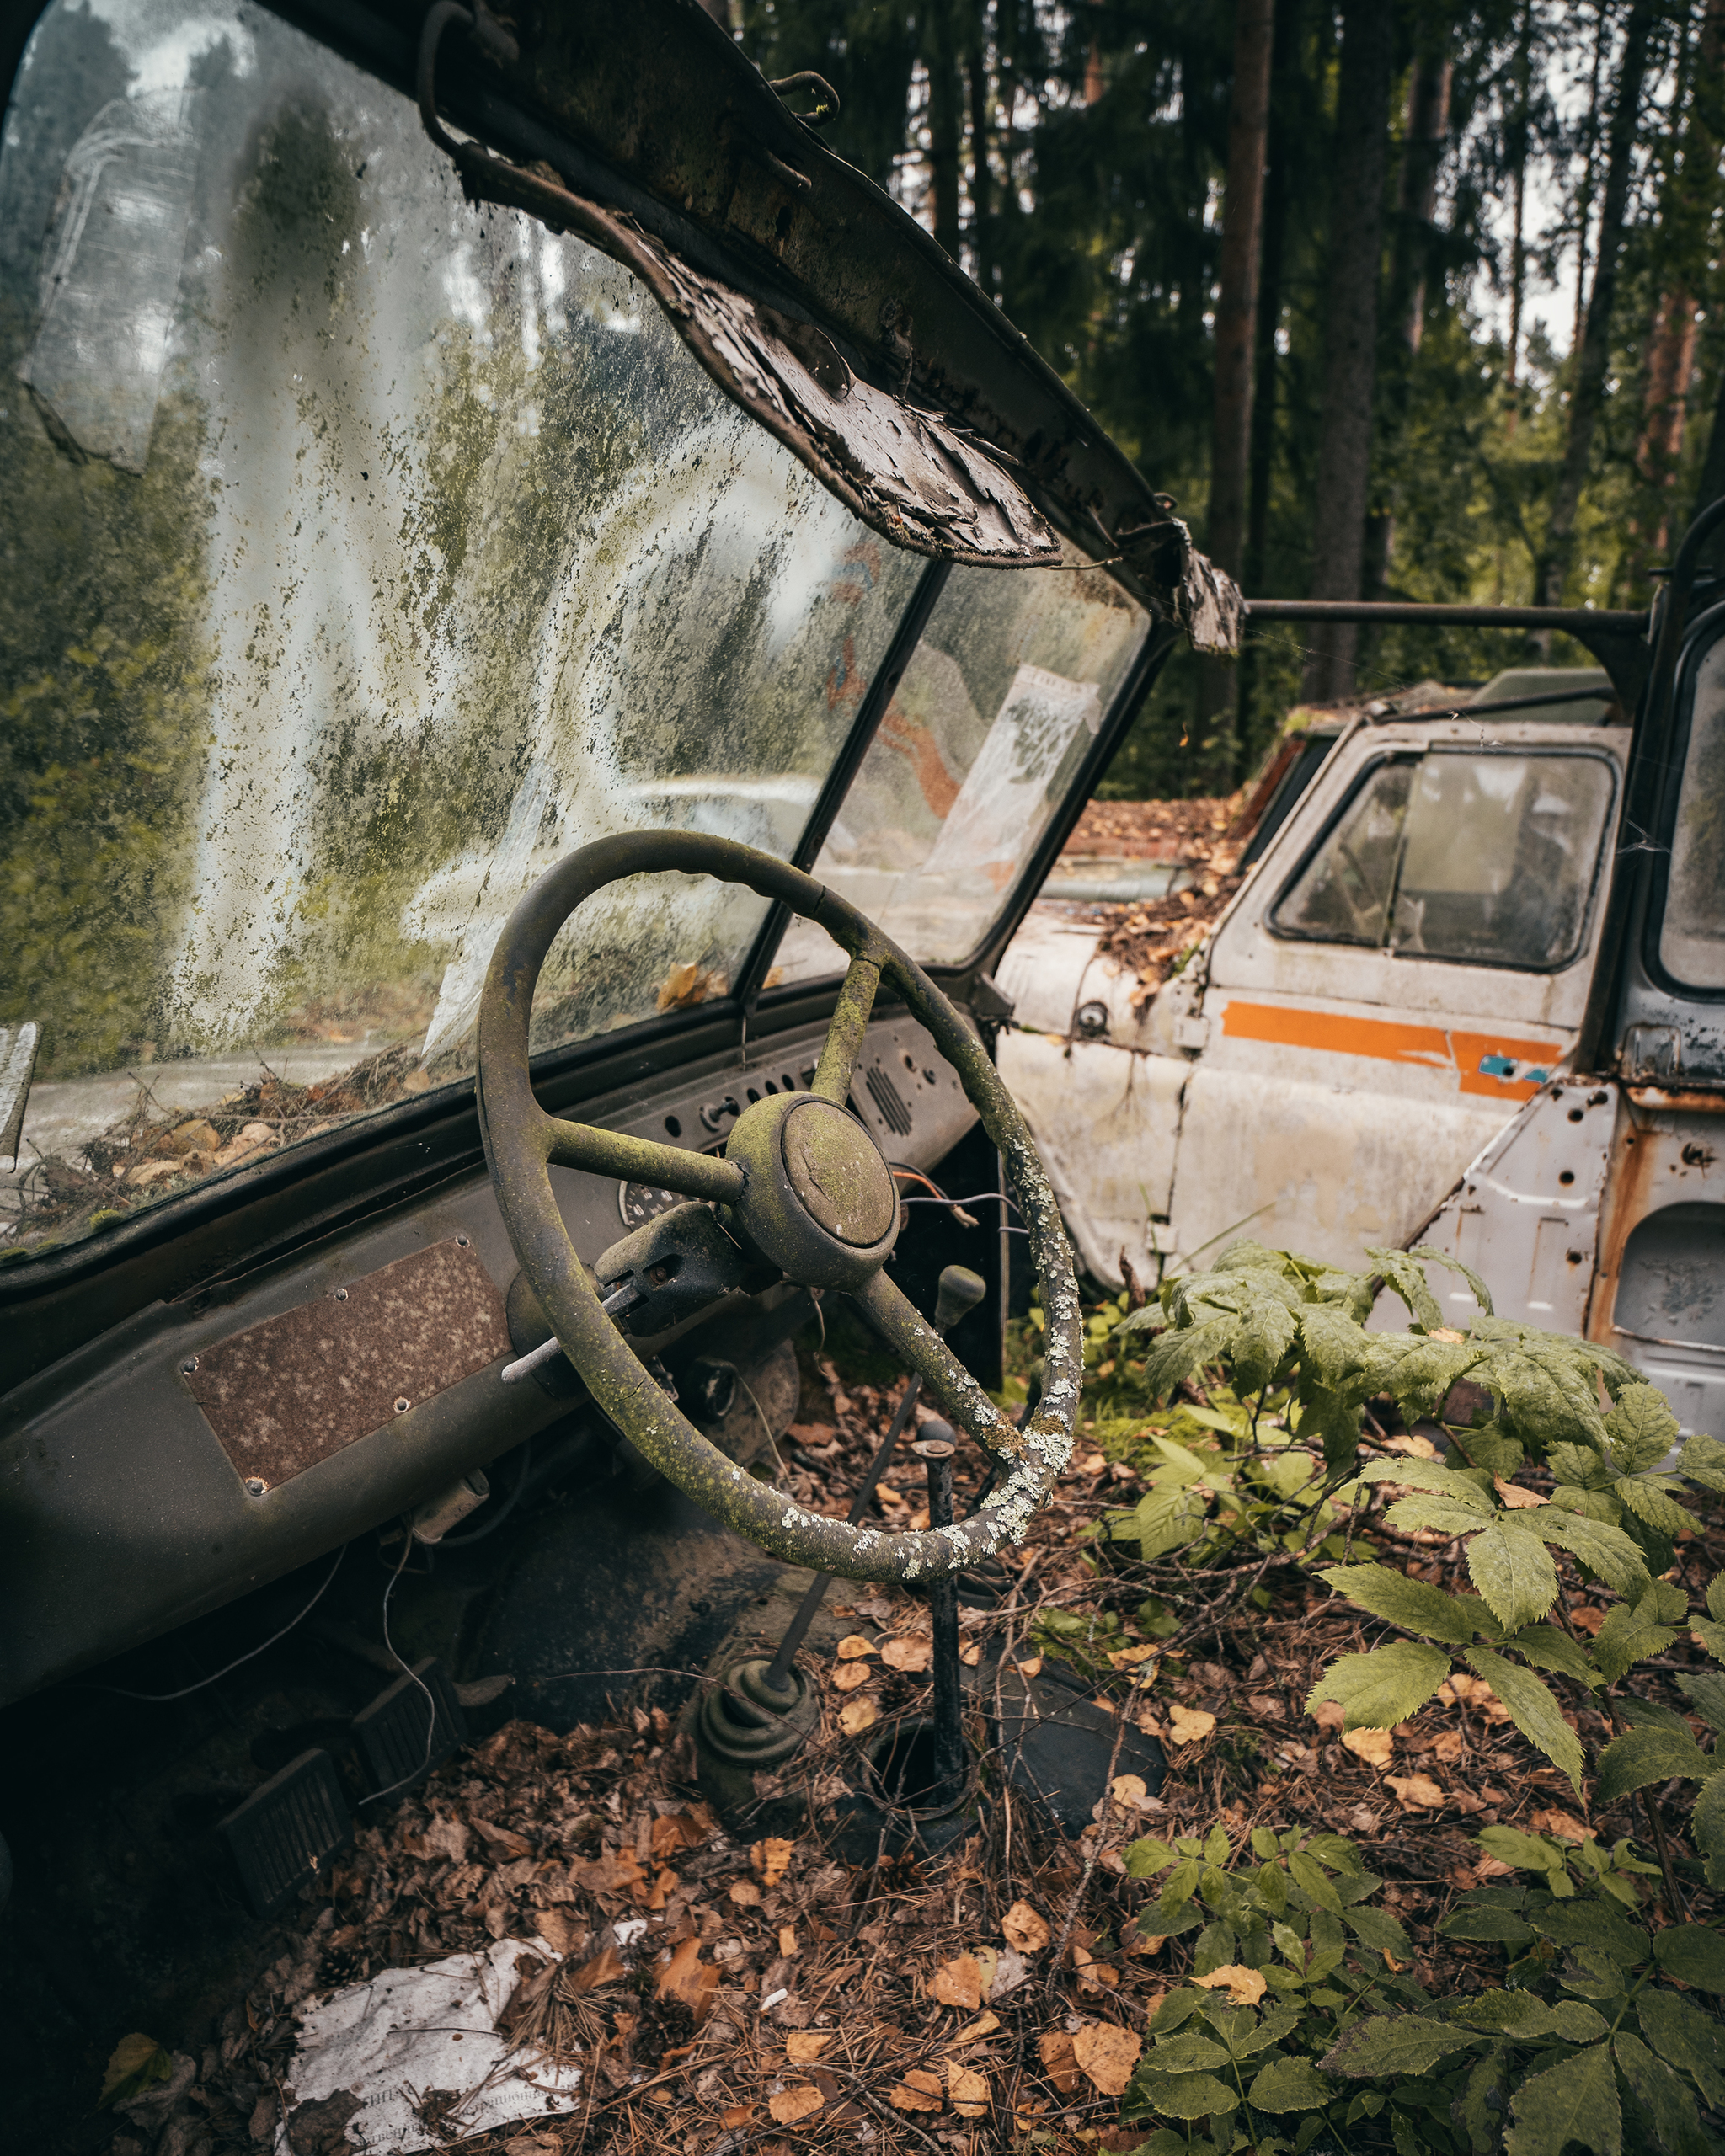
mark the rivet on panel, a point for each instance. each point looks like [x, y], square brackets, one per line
[341, 1294]
[255, 1486]
[402, 1405]
[189, 1365]
[464, 1242]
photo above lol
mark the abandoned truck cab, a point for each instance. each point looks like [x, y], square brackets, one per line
[1467, 994]
[552, 636]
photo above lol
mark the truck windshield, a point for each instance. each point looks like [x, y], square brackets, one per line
[369, 554]
[1692, 934]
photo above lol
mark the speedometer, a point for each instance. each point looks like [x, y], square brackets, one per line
[639, 1202]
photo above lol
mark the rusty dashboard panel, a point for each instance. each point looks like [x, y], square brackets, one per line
[284, 1395]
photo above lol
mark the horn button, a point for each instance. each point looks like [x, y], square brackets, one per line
[819, 1200]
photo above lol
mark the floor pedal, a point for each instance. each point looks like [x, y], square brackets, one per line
[391, 1733]
[284, 1834]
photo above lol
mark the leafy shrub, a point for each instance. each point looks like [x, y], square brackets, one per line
[1587, 2042]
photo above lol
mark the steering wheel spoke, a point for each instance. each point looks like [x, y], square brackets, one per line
[850, 1022]
[641, 1160]
[945, 1380]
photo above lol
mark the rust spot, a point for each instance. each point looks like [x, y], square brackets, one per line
[284, 1395]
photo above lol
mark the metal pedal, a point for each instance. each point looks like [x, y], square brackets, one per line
[391, 1733]
[285, 1834]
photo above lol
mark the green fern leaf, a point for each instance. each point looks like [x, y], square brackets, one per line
[1512, 1568]
[1547, 1648]
[1534, 1710]
[1575, 2100]
[1645, 1496]
[1651, 1753]
[1176, 1355]
[1703, 1461]
[1442, 1515]
[1378, 1689]
[1414, 1605]
[1334, 1347]
[1641, 1429]
[1405, 1280]
[1416, 1372]
[1481, 1293]
[1263, 1337]
[1629, 1634]
[1606, 1550]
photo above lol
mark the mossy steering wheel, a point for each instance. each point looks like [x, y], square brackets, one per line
[801, 1184]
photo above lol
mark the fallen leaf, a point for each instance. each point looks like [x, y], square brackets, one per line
[1329, 1715]
[736, 2115]
[1129, 1657]
[971, 1653]
[681, 1830]
[1189, 1724]
[1564, 1824]
[605, 1969]
[1515, 1497]
[533, 2144]
[812, 1433]
[919, 2091]
[1244, 1987]
[686, 1976]
[612, 1875]
[1092, 1974]
[502, 1841]
[1587, 1617]
[1448, 1746]
[791, 2105]
[968, 2091]
[850, 1676]
[912, 1655]
[1024, 1928]
[1089, 1463]
[1054, 2047]
[1106, 2055]
[560, 1933]
[1493, 1867]
[1376, 1747]
[1142, 1942]
[853, 1646]
[1031, 1666]
[1411, 1445]
[984, 2025]
[787, 1941]
[1010, 1970]
[1129, 1791]
[803, 2046]
[137, 2062]
[745, 1893]
[771, 1858]
[958, 1982]
[1418, 1791]
[857, 1716]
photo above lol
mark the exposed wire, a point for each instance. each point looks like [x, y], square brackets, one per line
[407, 1544]
[160, 1698]
[982, 1198]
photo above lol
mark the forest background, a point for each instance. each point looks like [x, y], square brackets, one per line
[1396, 300]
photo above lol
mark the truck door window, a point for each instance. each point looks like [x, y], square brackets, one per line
[1692, 935]
[1486, 859]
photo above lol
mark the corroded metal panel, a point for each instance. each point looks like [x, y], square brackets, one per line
[284, 1395]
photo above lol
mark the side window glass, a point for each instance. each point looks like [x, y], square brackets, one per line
[1481, 860]
[1692, 935]
[1343, 895]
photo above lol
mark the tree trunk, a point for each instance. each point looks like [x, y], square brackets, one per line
[1518, 242]
[1427, 131]
[1350, 355]
[1587, 388]
[1584, 207]
[940, 58]
[981, 230]
[1237, 300]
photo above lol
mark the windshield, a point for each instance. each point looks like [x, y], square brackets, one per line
[382, 552]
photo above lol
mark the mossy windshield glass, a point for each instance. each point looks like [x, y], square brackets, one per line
[368, 554]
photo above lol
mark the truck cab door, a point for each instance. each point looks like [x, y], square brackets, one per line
[1410, 962]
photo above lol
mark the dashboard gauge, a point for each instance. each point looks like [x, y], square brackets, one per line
[639, 1202]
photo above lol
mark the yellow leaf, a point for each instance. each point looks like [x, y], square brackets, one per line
[912, 1655]
[971, 1654]
[1129, 1657]
[984, 2025]
[791, 2105]
[919, 2091]
[1376, 1747]
[1244, 1987]
[1106, 2055]
[804, 2046]
[606, 1965]
[854, 1647]
[137, 2064]
[771, 1858]
[1024, 1928]
[1129, 1791]
[958, 1982]
[857, 1716]
[1092, 1974]
[1412, 1445]
[1031, 1666]
[969, 2091]
[1448, 1746]
[1515, 1497]
[686, 1976]
[736, 2115]
[1564, 1824]
[787, 1941]
[1054, 2047]
[1189, 1724]
[850, 1676]
[1418, 1791]
[745, 1893]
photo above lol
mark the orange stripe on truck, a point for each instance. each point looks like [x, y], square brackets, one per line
[1387, 1040]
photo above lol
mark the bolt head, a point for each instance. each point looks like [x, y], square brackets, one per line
[341, 1294]
[255, 1486]
[402, 1405]
[189, 1364]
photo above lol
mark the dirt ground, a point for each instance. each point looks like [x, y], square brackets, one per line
[779, 1999]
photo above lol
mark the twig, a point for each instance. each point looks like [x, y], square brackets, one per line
[892, 2117]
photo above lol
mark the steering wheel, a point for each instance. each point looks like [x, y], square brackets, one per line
[800, 1184]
